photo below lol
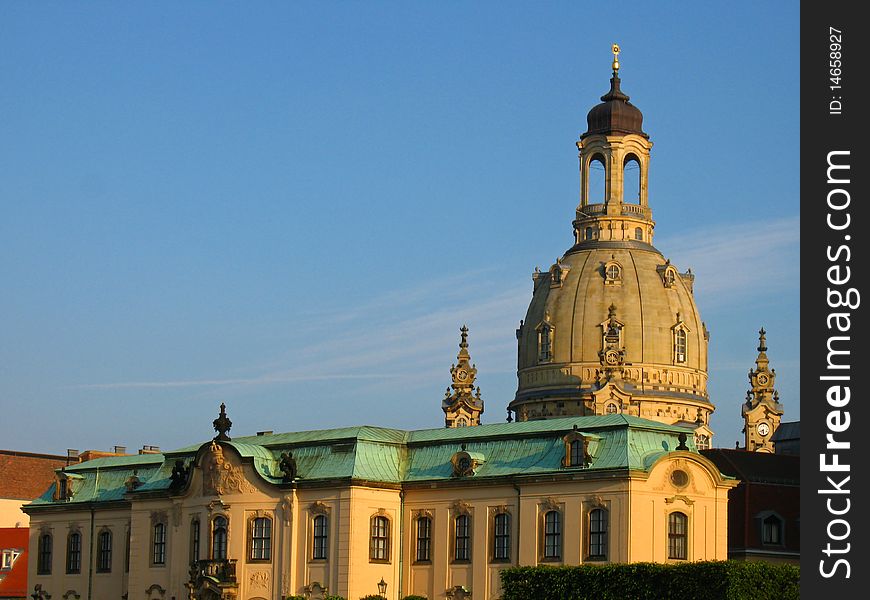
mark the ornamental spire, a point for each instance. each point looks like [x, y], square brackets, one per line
[615, 49]
[222, 425]
[463, 405]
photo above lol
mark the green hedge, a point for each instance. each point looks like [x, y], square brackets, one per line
[712, 580]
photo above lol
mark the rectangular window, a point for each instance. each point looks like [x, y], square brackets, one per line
[261, 539]
[598, 534]
[462, 542]
[127, 550]
[379, 549]
[424, 539]
[43, 556]
[158, 554]
[74, 553]
[104, 552]
[501, 549]
[678, 536]
[321, 538]
[194, 540]
[553, 535]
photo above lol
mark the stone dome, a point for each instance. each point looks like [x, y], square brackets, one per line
[647, 300]
[613, 326]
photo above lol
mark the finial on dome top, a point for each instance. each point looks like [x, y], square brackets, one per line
[615, 49]
[464, 332]
[762, 340]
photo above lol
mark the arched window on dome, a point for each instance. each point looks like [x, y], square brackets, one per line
[545, 342]
[631, 180]
[589, 234]
[596, 178]
[680, 346]
[638, 234]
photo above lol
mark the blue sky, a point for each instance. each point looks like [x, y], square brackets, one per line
[293, 207]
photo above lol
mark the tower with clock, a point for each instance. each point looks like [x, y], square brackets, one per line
[462, 404]
[762, 410]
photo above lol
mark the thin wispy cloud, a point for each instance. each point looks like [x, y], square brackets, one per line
[414, 328]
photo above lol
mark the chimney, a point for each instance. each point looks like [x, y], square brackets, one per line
[269, 432]
[120, 449]
[150, 450]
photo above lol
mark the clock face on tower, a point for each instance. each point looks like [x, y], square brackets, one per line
[763, 429]
[462, 375]
[763, 379]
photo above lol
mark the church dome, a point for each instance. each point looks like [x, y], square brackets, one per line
[612, 326]
[615, 114]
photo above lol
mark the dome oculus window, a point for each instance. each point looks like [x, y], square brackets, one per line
[612, 273]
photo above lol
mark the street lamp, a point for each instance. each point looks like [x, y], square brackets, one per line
[382, 587]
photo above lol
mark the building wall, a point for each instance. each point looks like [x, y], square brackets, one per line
[637, 505]
[11, 514]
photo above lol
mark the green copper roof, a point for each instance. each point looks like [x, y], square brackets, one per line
[393, 456]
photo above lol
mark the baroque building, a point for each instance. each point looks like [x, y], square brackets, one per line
[601, 463]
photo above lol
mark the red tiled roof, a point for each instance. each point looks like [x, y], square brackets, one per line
[25, 476]
[13, 582]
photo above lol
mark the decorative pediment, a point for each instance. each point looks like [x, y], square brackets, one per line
[461, 507]
[315, 591]
[684, 499]
[548, 504]
[423, 512]
[612, 399]
[220, 476]
[319, 508]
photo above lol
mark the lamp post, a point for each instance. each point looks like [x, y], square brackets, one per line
[382, 587]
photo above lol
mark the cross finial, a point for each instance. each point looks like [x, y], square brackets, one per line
[615, 49]
[762, 340]
[464, 331]
[222, 425]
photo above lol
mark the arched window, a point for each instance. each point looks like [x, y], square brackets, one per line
[104, 552]
[194, 540]
[545, 343]
[702, 442]
[680, 345]
[74, 553]
[678, 536]
[771, 530]
[158, 545]
[631, 180]
[611, 409]
[597, 180]
[589, 233]
[424, 539]
[219, 527]
[613, 272]
[43, 556]
[598, 534]
[379, 548]
[552, 535]
[462, 538]
[320, 549]
[638, 234]
[260, 539]
[501, 548]
[462, 422]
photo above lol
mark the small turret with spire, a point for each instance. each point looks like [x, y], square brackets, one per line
[762, 411]
[462, 404]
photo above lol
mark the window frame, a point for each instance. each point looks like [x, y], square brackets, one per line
[74, 568]
[462, 538]
[380, 531]
[223, 544]
[259, 539]
[195, 548]
[551, 540]
[501, 537]
[678, 540]
[681, 342]
[602, 533]
[158, 544]
[320, 540]
[104, 551]
[44, 554]
[546, 344]
[780, 528]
